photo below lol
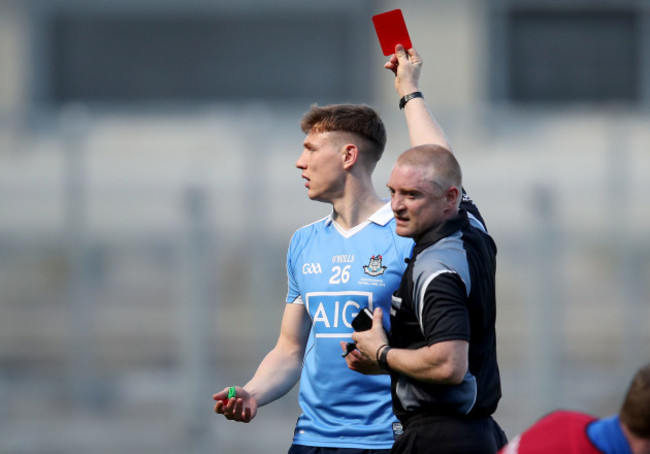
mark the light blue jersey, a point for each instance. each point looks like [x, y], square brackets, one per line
[335, 273]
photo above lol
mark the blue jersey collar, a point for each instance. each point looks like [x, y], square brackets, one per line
[608, 436]
[380, 217]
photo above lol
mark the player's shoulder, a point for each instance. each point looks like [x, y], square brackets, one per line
[553, 432]
[558, 421]
[307, 232]
[315, 225]
[562, 417]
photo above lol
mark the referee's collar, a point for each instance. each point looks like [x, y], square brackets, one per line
[380, 217]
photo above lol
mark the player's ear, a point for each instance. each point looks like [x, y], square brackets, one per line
[350, 155]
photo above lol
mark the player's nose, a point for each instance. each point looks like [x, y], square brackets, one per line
[301, 163]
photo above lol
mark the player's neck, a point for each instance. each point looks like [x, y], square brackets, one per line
[355, 207]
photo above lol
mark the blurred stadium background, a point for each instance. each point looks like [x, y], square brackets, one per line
[148, 194]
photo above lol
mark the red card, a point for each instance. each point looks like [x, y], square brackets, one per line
[391, 30]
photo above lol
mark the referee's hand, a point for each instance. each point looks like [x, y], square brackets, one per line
[370, 341]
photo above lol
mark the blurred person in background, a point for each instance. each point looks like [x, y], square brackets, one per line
[572, 432]
[337, 266]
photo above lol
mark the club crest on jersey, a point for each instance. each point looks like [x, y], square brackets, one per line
[374, 267]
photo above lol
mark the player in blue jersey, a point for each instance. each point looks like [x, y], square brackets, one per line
[336, 266]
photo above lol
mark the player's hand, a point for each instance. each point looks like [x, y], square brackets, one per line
[360, 363]
[242, 407]
[406, 65]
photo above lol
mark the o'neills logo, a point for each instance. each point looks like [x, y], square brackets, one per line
[374, 267]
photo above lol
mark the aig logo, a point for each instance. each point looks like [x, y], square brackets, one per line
[311, 268]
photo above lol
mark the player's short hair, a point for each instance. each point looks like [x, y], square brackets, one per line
[635, 411]
[358, 119]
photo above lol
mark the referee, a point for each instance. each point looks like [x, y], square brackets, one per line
[442, 350]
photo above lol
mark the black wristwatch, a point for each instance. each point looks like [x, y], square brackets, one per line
[407, 98]
[383, 362]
